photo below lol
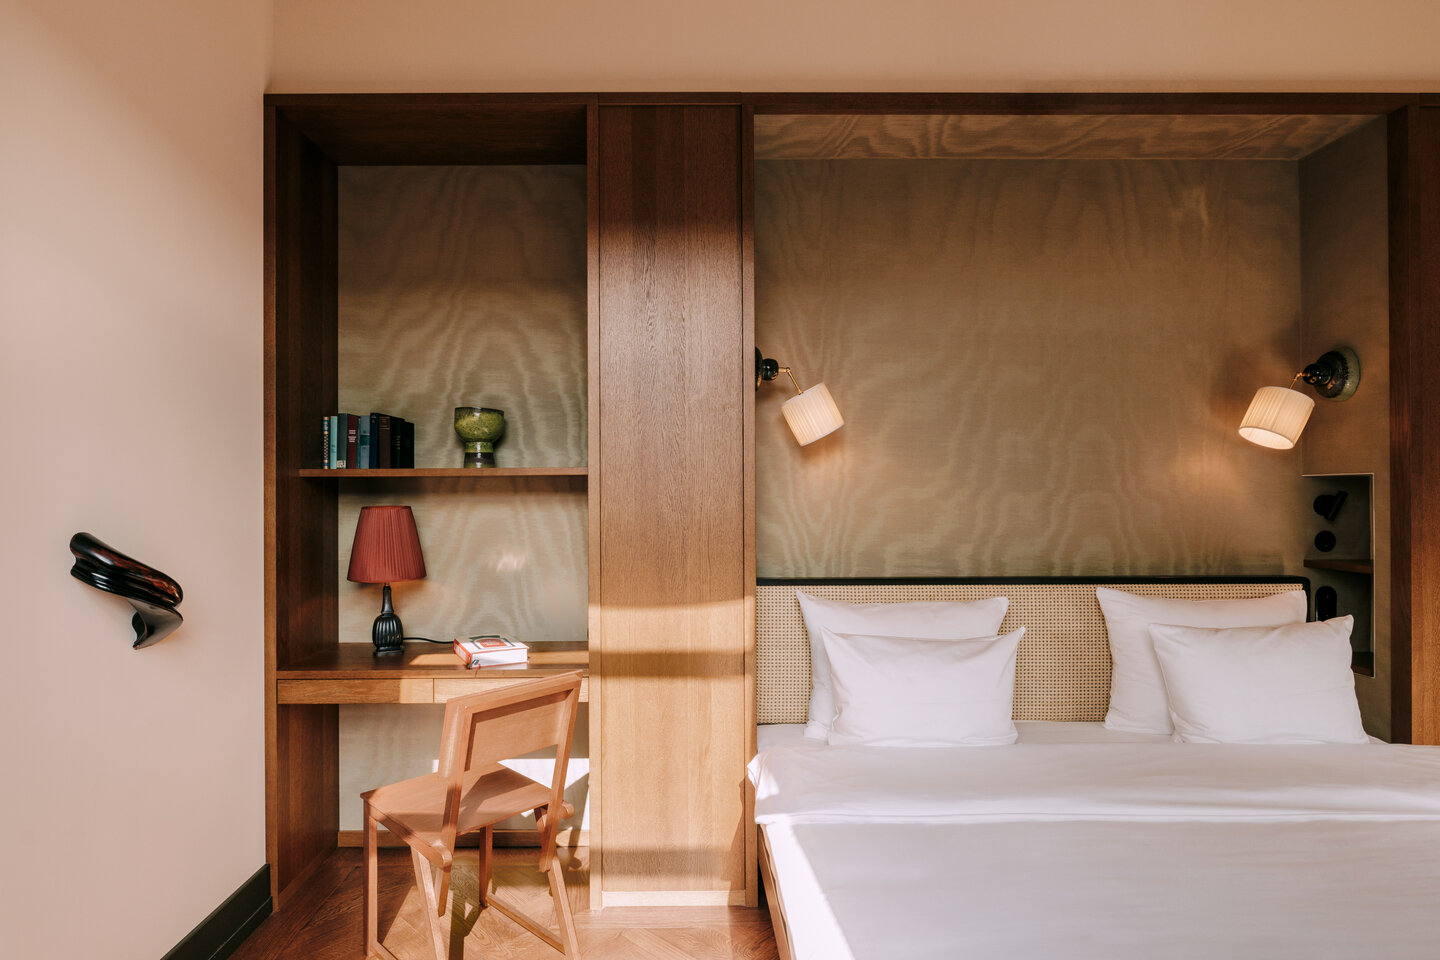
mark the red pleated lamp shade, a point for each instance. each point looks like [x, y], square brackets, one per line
[387, 547]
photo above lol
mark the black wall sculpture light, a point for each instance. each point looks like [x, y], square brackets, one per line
[153, 594]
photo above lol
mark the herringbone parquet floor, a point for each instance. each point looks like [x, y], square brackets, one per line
[323, 921]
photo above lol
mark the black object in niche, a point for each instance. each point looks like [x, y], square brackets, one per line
[154, 595]
[1324, 541]
[1327, 604]
[1328, 504]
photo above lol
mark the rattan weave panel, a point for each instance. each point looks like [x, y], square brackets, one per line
[1062, 671]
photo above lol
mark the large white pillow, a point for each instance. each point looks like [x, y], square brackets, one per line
[923, 619]
[907, 692]
[1137, 692]
[1290, 684]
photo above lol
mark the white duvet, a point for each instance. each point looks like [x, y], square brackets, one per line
[1105, 850]
[1116, 781]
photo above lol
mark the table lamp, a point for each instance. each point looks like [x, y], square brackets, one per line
[386, 550]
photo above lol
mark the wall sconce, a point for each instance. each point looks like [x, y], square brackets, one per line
[812, 413]
[386, 550]
[1277, 415]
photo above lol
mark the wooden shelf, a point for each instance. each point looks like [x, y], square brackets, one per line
[1344, 566]
[462, 473]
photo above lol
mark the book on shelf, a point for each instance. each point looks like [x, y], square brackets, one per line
[366, 441]
[382, 440]
[402, 443]
[362, 445]
[352, 440]
[406, 454]
[490, 650]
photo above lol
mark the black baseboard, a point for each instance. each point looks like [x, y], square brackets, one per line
[229, 924]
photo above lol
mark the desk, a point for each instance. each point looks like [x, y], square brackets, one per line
[422, 673]
[347, 673]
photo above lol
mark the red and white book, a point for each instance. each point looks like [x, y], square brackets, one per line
[490, 650]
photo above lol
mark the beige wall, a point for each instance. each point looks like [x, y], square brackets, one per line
[130, 297]
[342, 45]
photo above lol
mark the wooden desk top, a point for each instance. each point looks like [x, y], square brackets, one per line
[356, 661]
[422, 673]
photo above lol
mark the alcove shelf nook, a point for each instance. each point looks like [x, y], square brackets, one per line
[422, 254]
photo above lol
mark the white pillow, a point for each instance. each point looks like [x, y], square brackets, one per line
[1137, 693]
[924, 619]
[907, 692]
[1289, 684]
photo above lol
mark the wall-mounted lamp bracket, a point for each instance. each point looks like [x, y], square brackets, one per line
[767, 369]
[1335, 375]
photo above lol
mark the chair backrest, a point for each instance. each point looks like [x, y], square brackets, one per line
[485, 728]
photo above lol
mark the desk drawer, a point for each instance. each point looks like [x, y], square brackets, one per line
[450, 689]
[356, 691]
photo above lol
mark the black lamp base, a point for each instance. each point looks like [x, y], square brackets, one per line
[387, 634]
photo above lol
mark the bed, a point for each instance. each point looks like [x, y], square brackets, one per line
[1077, 840]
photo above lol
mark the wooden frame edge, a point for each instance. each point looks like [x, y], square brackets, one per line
[773, 900]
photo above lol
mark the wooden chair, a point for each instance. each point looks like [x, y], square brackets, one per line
[471, 792]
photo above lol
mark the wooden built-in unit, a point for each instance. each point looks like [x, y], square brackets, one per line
[620, 311]
[671, 633]
[421, 254]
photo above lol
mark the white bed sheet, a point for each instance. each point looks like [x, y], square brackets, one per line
[1030, 731]
[1104, 849]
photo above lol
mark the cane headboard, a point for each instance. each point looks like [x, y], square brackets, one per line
[1062, 670]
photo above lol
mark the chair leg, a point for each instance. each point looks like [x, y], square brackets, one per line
[372, 886]
[425, 879]
[562, 908]
[486, 839]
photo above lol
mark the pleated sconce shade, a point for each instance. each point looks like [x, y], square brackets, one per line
[812, 414]
[1276, 417]
[387, 547]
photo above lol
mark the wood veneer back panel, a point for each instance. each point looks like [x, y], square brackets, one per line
[1345, 285]
[1041, 363]
[1074, 136]
[671, 657]
[501, 556]
[465, 286]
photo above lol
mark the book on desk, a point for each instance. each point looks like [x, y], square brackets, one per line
[490, 650]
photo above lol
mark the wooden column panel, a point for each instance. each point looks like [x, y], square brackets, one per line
[300, 562]
[1415, 423]
[669, 648]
